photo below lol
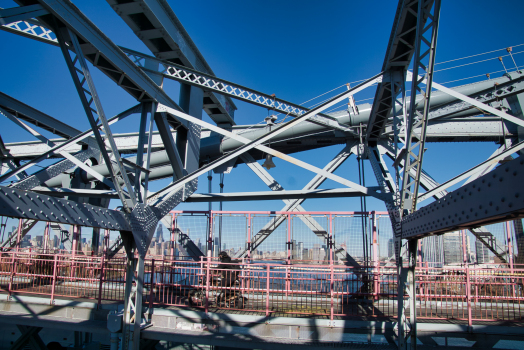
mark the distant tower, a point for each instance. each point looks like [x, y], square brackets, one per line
[159, 234]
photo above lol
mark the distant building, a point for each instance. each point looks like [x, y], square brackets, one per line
[160, 233]
[482, 252]
[453, 248]
[391, 248]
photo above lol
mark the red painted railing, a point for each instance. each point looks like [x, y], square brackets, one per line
[463, 293]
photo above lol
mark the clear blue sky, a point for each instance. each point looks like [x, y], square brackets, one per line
[297, 50]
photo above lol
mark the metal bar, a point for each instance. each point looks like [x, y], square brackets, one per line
[169, 144]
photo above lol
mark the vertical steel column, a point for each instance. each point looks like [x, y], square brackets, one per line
[407, 330]
[149, 144]
[133, 295]
[414, 153]
[146, 111]
[95, 241]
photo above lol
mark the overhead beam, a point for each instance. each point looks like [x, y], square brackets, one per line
[274, 195]
[257, 143]
[492, 198]
[156, 25]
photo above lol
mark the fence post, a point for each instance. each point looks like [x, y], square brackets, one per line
[468, 296]
[248, 236]
[375, 255]
[331, 258]
[53, 282]
[210, 236]
[267, 290]
[207, 283]
[13, 271]
[101, 280]
[289, 239]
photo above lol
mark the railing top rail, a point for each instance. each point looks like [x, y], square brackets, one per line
[280, 212]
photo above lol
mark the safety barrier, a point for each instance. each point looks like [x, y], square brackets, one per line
[271, 288]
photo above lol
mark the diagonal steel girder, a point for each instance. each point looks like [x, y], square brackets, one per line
[92, 106]
[415, 143]
[257, 143]
[59, 167]
[481, 233]
[398, 56]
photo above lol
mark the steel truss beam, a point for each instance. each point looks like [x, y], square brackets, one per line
[257, 143]
[92, 106]
[29, 205]
[29, 337]
[400, 49]
[220, 86]
[51, 171]
[214, 84]
[156, 25]
[11, 241]
[494, 160]
[415, 143]
[492, 198]
[481, 233]
[22, 13]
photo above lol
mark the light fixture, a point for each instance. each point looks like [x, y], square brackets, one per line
[268, 164]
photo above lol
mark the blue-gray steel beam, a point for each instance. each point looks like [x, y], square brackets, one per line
[92, 106]
[21, 13]
[155, 23]
[44, 175]
[494, 197]
[209, 82]
[400, 50]
[29, 205]
[250, 144]
[417, 121]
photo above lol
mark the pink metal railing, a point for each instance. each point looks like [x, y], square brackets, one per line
[462, 293]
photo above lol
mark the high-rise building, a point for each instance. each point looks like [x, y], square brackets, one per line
[453, 248]
[391, 248]
[482, 252]
[159, 234]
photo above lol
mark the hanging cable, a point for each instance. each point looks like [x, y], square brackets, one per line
[479, 54]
